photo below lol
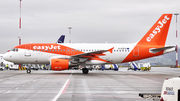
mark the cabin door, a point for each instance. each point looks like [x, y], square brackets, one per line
[28, 50]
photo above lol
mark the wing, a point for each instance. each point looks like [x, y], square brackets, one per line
[93, 54]
[87, 56]
[79, 58]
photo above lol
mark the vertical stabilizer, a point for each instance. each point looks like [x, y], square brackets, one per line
[61, 39]
[158, 33]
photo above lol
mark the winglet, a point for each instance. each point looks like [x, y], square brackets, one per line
[110, 50]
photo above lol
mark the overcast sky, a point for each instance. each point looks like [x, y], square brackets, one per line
[92, 21]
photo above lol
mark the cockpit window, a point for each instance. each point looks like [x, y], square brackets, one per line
[14, 49]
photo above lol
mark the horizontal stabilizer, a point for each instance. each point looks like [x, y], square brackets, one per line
[165, 49]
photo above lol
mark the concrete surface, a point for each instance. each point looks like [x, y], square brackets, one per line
[72, 85]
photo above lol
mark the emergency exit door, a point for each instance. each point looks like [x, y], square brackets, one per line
[28, 50]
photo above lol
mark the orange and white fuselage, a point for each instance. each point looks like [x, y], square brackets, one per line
[62, 56]
[38, 53]
[35, 53]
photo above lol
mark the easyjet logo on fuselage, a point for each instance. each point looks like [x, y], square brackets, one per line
[157, 29]
[46, 47]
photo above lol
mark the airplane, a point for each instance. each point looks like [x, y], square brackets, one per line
[61, 39]
[66, 55]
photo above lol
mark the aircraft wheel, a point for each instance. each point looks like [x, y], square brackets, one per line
[28, 71]
[85, 71]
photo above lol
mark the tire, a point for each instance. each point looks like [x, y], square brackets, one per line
[85, 71]
[28, 71]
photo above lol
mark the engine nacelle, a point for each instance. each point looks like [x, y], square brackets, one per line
[59, 64]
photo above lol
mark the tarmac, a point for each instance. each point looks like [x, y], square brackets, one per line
[73, 85]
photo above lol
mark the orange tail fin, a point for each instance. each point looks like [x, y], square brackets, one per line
[158, 33]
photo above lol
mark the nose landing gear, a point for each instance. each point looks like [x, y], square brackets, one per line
[28, 70]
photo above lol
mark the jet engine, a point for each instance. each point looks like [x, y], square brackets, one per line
[61, 64]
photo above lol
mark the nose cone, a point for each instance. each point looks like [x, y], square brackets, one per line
[7, 56]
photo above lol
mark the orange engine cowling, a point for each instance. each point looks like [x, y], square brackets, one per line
[59, 64]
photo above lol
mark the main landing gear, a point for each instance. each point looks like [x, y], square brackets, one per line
[85, 70]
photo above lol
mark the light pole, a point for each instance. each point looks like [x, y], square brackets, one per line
[177, 41]
[20, 25]
[69, 33]
[20, 28]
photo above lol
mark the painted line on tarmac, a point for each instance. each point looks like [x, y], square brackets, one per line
[8, 91]
[63, 89]
[105, 96]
